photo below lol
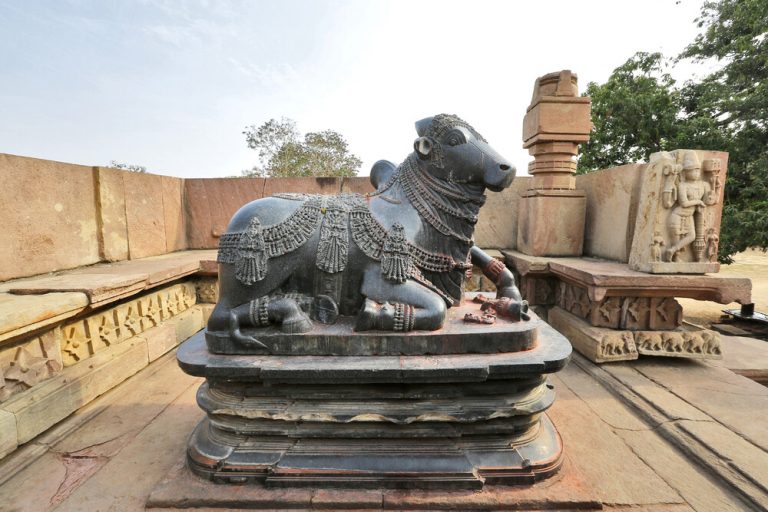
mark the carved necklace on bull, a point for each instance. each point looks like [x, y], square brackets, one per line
[435, 199]
[443, 205]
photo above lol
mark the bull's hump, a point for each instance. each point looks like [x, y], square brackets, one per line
[269, 210]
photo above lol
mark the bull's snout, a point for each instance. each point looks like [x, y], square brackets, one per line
[500, 176]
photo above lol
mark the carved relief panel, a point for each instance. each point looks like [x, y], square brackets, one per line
[24, 365]
[83, 338]
[677, 228]
[632, 313]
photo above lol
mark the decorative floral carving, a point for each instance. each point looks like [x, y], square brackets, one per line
[23, 366]
[84, 337]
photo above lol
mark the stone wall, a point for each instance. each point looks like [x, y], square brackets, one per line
[49, 216]
[59, 216]
[211, 202]
[612, 199]
[497, 223]
[622, 209]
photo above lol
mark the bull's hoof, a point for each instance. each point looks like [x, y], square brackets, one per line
[297, 324]
[248, 341]
[366, 318]
[324, 310]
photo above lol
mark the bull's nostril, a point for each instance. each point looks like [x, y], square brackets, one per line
[504, 167]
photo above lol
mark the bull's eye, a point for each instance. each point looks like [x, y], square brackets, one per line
[455, 138]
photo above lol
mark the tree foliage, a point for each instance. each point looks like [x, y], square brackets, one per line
[127, 167]
[641, 110]
[634, 113]
[283, 152]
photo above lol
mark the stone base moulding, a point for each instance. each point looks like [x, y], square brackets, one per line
[458, 421]
[180, 489]
[602, 345]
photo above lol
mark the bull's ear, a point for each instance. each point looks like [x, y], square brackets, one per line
[423, 147]
[421, 126]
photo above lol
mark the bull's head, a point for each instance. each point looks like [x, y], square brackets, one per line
[458, 154]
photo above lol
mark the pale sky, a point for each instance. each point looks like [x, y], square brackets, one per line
[172, 84]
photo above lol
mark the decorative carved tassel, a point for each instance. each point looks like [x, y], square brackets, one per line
[396, 263]
[334, 242]
[251, 264]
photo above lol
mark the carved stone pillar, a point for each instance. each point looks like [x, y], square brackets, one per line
[552, 212]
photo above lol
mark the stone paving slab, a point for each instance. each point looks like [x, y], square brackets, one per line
[65, 463]
[98, 287]
[673, 397]
[565, 491]
[622, 459]
[157, 269]
[693, 483]
[609, 466]
[738, 403]
[745, 356]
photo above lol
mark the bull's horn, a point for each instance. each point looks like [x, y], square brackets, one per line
[423, 125]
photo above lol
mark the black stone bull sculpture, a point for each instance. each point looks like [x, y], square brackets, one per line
[395, 258]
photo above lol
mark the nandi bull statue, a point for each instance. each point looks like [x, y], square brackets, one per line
[395, 259]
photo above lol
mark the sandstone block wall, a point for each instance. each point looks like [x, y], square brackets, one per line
[58, 216]
[211, 202]
[49, 216]
[612, 200]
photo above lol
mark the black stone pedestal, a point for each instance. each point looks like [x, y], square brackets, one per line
[428, 422]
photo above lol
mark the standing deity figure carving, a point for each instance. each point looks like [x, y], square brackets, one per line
[687, 194]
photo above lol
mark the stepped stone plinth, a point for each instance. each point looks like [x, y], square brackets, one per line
[448, 421]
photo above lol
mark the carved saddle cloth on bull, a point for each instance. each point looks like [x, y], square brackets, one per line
[288, 258]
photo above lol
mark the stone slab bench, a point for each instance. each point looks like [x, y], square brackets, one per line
[66, 338]
[30, 304]
[604, 278]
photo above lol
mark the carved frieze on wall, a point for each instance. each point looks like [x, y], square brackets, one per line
[617, 345]
[631, 313]
[24, 365]
[678, 221]
[83, 338]
[703, 343]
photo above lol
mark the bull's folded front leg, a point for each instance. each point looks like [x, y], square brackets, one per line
[398, 306]
[504, 281]
[264, 311]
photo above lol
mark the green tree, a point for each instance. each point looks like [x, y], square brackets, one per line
[634, 113]
[729, 109]
[283, 152]
[641, 110]
[127, 167]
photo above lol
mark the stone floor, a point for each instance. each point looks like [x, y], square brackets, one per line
[752, 263]
[652, 435]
